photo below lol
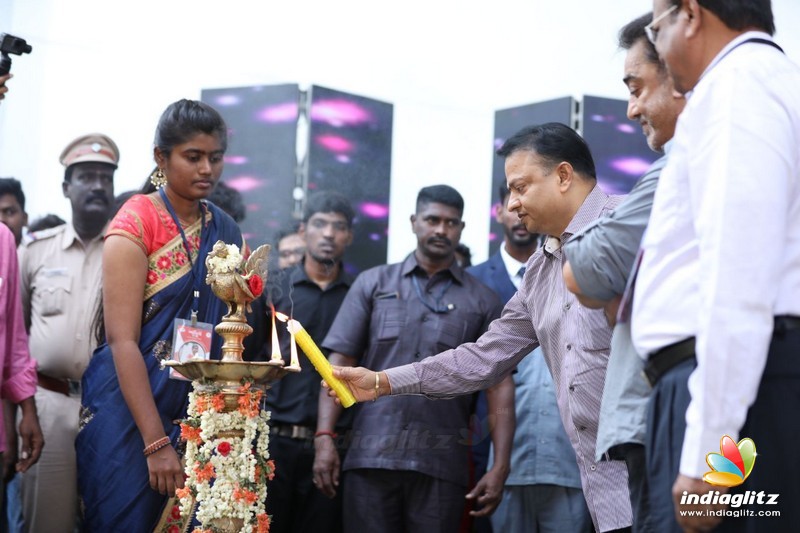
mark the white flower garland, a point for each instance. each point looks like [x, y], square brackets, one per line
[227, 474]
[230, 263]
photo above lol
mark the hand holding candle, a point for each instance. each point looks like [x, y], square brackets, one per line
[320, 362]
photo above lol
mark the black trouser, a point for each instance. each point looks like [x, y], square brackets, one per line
[773, 422]
[295, 504]
[401, 501]
[666, 426]
[634, 457]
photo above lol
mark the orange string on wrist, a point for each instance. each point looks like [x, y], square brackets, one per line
[153, 447]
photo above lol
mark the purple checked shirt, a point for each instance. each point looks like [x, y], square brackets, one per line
[575, 341]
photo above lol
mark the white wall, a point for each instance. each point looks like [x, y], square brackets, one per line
[446, 65]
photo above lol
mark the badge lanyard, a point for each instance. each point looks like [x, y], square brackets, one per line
[437, 299]
[757, 40]
[191, 340]
[195, 277]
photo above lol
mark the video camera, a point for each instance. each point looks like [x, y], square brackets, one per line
[10, 44]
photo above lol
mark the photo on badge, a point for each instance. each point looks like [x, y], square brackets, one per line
[190, 342]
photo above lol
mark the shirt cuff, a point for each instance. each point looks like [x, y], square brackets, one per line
[697, 443]
[403, 380]
[21, 385]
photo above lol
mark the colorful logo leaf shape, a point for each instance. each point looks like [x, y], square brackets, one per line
[732, 466]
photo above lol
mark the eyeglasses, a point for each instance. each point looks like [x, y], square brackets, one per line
[650, 31]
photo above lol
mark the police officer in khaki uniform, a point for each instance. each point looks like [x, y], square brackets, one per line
[61, 271]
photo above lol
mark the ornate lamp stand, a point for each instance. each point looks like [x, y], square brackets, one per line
[226, 432]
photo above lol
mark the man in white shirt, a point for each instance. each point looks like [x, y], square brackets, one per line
[717, 297]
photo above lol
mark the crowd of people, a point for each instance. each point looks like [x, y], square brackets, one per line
[689, 305]
[606, 348]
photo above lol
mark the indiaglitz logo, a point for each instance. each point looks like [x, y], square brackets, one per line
[733, 464]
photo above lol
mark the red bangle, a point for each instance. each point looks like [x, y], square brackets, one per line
[324, 432]
[152, 448]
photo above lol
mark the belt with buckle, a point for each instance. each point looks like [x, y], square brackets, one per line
[786, 323]
[665, 359]
[292, 431]
[67, 387]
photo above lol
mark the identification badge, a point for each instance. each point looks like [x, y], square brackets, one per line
[190, 342]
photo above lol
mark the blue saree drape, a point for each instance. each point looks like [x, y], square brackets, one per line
[113, 478]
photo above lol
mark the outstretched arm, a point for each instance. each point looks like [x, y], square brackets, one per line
[366, 385]
[468, 368]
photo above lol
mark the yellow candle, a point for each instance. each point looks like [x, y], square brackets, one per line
[276, 347]
[320, 362]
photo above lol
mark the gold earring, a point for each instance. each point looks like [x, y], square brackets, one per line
[158, 179]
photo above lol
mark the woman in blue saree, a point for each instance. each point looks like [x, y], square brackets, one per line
[153, 262]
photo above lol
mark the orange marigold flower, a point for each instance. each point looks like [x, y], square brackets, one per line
[218, 402]
[240, 494]
[248, 410]
[206, 473]
[190, 433]
[270, 469]
[263, 522]
[249, 404]
[244, 403]
[257, 400]
[201, 403]
[184, 492]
